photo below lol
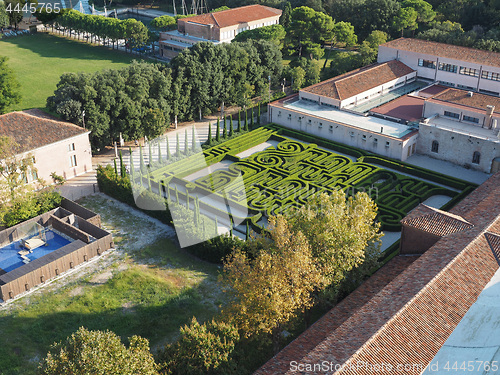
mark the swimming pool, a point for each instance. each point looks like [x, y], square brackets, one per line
[10, 259]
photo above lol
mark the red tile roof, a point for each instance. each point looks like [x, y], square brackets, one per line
[360, 80]
[31, 131]
[439, 223]
[235, 16]
[446, 50]
[462, 98]
[408, 320]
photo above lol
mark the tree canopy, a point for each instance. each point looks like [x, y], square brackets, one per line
[164, 22]
[98, 353]
[9, 87]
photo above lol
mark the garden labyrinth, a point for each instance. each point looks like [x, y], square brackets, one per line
[282, 177]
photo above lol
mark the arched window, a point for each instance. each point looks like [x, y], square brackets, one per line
[435, 146]
[476, 157]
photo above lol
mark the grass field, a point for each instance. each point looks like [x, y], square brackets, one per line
[39, 60]
[151, 288]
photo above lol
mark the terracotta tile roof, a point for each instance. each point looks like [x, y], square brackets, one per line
[408, 320]
[438, 223]
[357, 81]
[31, 131]
[494, 242]
[446, 50]
[460, 97]
[235, 16]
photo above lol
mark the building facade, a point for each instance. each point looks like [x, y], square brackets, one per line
[56, 146]
[455, 66]
[218, 27]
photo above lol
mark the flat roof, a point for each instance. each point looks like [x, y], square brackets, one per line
[463, 128]
[369, 123]
[407, 108]
[446, 50]
[175, 43]
[360, 80]
[433, 90]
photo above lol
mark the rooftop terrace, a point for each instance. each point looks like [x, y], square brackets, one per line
[372, 124]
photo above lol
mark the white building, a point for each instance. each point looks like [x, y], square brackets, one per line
[461, 67]
[453, 100]
[327, 109]
[56, 146]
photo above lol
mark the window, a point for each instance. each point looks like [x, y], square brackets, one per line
[471, 119]
[331, 128]
[72, 161]
[489, 92]
[476, 157]
[387, 144]
[427, 63]
[445, 83]
[364, 137]
[470, 88]
[448, 67]
[351, 134]
[451, 114]
[71, 147]
[468, 71]
[435, 146]
[490, 75]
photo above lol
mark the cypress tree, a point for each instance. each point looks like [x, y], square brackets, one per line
[178, 147]
[168, 151]
[258, 115]
[142, 167]
[159, 153]
[231, 131]
[217, 135]
[116, 169]
[186, 143]
[246, 120]
[193, 146]
[239, 122]
[122, 166]
[209, 140]
[224, 131]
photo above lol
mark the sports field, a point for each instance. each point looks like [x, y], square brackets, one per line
[39, 60]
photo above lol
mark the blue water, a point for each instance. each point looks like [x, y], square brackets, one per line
[10, 259]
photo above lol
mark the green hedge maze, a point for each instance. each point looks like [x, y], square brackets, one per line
[286, 176]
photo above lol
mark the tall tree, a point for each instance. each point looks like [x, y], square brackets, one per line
[425, 13]
[272, 286]
[286, 15]
[341, 231]
[99, 353]
[406, 18]
[9, 87]
[4, 17]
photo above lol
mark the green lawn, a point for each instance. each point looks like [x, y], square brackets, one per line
[39, 60]
[151, 289]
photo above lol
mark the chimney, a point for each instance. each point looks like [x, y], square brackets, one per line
[470, 93]
[489, 115]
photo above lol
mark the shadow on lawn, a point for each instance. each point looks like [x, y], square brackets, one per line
[25, 340]
[47, 45]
